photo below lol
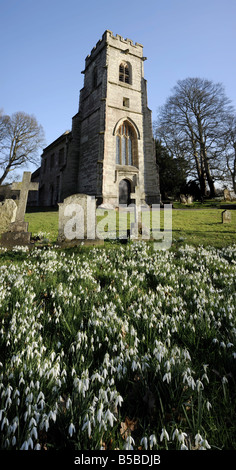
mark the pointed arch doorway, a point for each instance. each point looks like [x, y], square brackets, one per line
[124, 191]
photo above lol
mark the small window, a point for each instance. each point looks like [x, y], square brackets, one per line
[126, 102]
[124, 73]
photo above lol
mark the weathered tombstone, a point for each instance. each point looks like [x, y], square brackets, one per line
[190, 200]
[17, 233]
[137, 229]
[227, 196]
[77, 220]
[226, 217]
[183, 199]
[8, 210]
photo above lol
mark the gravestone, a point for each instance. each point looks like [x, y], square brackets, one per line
[17, 233]
[227, 196]
[137, 229]
[226, 217]
[183, 199]
[8, 210]
[190, 200]
[77, 221]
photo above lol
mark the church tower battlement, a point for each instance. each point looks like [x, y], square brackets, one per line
[109, 38]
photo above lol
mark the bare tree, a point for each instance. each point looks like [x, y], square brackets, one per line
[192, 119]
[20, 139]
[229, 150]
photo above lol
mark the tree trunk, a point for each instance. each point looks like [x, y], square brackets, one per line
[4, 175]
[234, 169]
[204, 158]
[209, 177]
[199, 166]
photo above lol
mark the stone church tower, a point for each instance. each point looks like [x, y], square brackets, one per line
[110, 150]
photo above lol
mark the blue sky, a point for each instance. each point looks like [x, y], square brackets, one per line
[44, 44]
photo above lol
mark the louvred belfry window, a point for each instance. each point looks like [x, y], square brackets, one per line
[124, 73]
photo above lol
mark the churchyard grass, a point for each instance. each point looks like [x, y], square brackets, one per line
[196, 227]
[123, 347]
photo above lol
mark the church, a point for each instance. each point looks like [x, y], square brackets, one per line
[110, 148]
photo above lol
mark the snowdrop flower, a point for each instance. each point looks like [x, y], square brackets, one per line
[87, 424]
[153, 440]
[199, 385]
[164, 434]
[175, 434]
[208, 405]
[129, 443]
[99, 414]
[30, 443]
[183, 447]
[167, 377]
[68, 403]
[4, 421]
[198, 439]
[110, 417]
[24, 446]
[71, 429]
[167, 365]
[134, 365]
[182, 436]
[34, 432]
[119, 400]
[144, 442]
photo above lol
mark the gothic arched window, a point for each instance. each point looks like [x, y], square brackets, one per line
[124, 73]
[124, 145]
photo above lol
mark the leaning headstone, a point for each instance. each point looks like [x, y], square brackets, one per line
[17, 233]
[226, 217]
[183, 199]
[227, 196]
[8, 210]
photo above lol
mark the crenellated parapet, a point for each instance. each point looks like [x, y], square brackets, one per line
[108, 38]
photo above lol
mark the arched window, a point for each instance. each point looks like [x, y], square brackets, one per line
[124, 73]
[124, 145]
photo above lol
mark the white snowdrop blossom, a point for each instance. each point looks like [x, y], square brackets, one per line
[164, 435]
[144, 442]
[129, 443]
[153, 441]
[71, 429]
[92, 338]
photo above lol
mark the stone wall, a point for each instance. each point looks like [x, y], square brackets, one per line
[53, 164]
